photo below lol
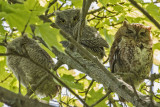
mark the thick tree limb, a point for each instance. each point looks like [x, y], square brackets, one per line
[106, 78]
[17, 100]
[145, 13]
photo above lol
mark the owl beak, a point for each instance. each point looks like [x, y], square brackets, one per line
[70, 25]
[135, 38]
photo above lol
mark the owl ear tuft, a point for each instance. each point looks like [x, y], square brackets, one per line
[125, 23]
[25, 35]
[57, 12]
[149, 28]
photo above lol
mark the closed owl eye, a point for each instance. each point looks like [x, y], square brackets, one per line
[129, 31]
[142, 33]
[75, 18]
[62, 20]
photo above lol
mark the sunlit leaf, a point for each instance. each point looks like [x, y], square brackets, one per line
[50, 35]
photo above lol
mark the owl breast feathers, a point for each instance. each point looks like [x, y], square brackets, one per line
[67, 21]
[29, 64]
[131, 52]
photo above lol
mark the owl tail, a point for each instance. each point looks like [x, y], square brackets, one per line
[48, 88]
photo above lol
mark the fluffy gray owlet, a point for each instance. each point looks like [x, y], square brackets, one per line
[68, 19]
[26, 50]
[131, 52]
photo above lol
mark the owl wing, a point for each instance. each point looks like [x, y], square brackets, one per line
[92, 39]
[114, 55]
[39, 55]
[94, 42]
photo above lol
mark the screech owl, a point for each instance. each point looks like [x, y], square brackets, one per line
[26, 56]
[67, 21]
[131, 52]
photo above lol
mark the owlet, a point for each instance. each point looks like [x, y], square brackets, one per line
[68, 19]
[131, 52]
[27, 61]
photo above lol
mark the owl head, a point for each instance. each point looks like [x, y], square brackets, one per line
[16, 46]
[135, 31]
[67, 19]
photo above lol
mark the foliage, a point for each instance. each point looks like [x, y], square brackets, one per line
[15, 16]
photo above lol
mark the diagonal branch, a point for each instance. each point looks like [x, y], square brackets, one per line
[101, 99]
[53, 75]
[145, 13]
[17, 100]
[102, 75]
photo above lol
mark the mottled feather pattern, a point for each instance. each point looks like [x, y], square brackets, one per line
[29, 63]
[131, 52]
[68, 22]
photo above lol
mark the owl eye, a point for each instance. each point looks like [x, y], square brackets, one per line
[75, 18]
[142, 33]
[62, 20]
[129, 31]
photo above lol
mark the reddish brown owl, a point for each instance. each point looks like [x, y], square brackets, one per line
[131, 52]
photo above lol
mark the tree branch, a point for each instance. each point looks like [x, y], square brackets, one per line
[102, 75]
[18, 100]
[54, 76]
[50, 4]
[145, 13]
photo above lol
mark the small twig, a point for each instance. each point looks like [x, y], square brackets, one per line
[66, 104]
[97, 10]
[132, 84]
[101, 99]
[19, 84]
[61, 5]
[25, 27]
[156, 97]
[10, 75]
[106, 60]
[88, 89]
[6, 54]
[3, 44]
[50, 4]
[80, 78]
[151, 93]
[145, 13]
[57, 65]
[154, 76]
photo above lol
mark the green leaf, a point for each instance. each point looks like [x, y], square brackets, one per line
[77, 3]
[1, 104]
[118, 8]
[158, 91]
[2, 60]
[108, 37]
[18, 19]
[154, 10]
[2, 31]
[104, 2]
[69, 80]
[156, 46]
[95, 96]
[50, 35]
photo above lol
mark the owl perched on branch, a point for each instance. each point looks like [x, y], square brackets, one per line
[131, 52]
[68, 19]
[28, 62]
